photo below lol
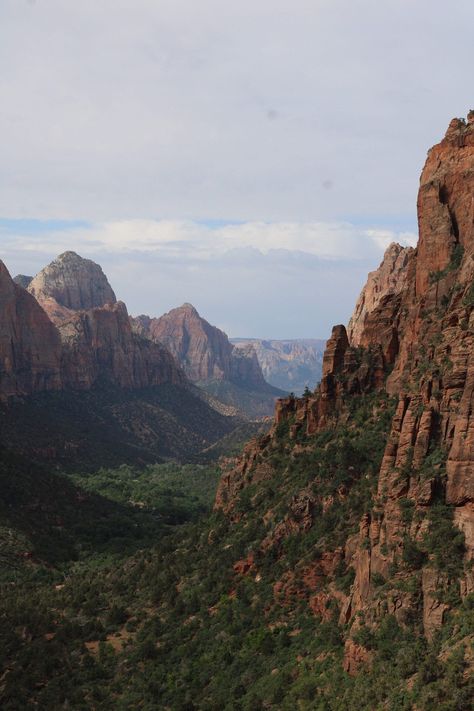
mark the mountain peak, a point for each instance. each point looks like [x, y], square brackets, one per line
[73, 282]
[188, 308]
[70, 256]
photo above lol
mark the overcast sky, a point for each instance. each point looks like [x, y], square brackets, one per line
[253, 158]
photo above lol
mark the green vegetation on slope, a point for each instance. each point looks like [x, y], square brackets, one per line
[176, 493]
[49, 521]
[175, 626]
[82, 431]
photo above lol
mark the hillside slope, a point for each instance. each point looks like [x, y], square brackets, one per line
[413, 345]
[109, 426]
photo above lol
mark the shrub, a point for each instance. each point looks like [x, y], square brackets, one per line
[468, 299]
[412, 555]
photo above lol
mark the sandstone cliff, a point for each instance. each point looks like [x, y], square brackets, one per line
[67, 331]
[410, 341]
[100, 346]
[388, 280]
[30, 348]
[73, 283]
[232, 375]
[203, 350]
[97, 341]
[86, 389]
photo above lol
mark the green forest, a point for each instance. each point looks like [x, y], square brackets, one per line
[132, 599]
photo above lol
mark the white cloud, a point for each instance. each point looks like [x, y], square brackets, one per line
[251, 279]
[191, 240]
[275, 110]
[299, 128]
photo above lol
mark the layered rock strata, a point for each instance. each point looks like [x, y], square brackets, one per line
[412, 338]
[30, 346]
[72, 282]
[204, 351]
[68, 331]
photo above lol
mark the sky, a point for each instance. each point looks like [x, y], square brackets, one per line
[252, 158]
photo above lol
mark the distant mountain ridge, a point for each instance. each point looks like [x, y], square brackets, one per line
[232, 375]
[75, 377]
[291, 364]
[68, 331]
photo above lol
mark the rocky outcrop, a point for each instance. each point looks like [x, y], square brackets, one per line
[30, 347]
[433, 373]
[231, 375]
[203, 351]
[445, 202]
[72, 282]
[411, 337]
[245, 368]
[291, 365]
[389, 279]
[87, 391]
[23, 280]
[59, 341]
[100, 346]
[336, 348]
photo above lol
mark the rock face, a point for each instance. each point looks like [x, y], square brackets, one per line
[73, 283]
[411, 338]
[336, 347]
[30, 347]
[232, 375]
[389, 279]
[445, 202]
[67, 331]
[78, 387]
[100, 346]
[245, 368]
[203, 351]
[291, 365]
[23, 280]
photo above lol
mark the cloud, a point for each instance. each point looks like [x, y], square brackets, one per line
[254, 158]
[276, 111]
[185, 240]
[252, 279]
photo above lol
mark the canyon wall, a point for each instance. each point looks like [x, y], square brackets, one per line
[410, 340]
[67, 331]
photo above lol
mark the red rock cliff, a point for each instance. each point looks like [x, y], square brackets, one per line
[99, 345]
[30, 347]
[68, 331]
[204, 351]
[412, 335]
[388, 280]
